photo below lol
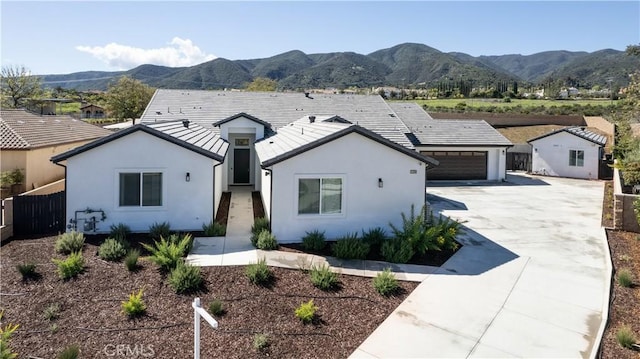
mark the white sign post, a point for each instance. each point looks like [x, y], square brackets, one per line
[198, 312]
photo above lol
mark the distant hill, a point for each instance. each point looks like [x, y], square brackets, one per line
[401, 65]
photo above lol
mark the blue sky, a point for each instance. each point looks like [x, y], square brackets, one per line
[64, 37]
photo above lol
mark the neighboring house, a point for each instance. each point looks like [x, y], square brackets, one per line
[465, 149]
[568, 152]
[338, 163]
[29, 141]
[92, 111]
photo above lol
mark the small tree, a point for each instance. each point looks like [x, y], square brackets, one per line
[17, 85]
[262, 84]
[128, 98]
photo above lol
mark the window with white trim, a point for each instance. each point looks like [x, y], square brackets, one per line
[576, 158]
[320, 195]
[140, 189]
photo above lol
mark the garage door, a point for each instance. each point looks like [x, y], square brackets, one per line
[458, 165]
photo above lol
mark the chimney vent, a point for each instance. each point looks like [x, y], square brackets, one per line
[185, 123]
[312, 119]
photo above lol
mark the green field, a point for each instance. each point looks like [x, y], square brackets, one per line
[524, 103]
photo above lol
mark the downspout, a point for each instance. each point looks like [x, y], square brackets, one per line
[425, 205]
[270, 199]
[66, 194]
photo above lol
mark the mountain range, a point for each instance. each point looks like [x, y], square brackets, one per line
[402, 65]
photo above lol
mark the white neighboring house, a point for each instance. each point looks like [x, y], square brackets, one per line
[336, 177]
[145, 174]
[568, 152]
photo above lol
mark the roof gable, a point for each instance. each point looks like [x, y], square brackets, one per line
[23, 130]
[580, 132]
[191, 137]
[242, 115]
[302, 136]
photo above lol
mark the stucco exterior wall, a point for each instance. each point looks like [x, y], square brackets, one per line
[550, 156]
[38, 168]
[93, 182]
[496, 158]
[265, 191]
[360, 162]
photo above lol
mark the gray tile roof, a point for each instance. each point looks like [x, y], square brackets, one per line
[303, 135]
[429, 132]
[187, 135]
[577, 131]
[276, 108]
[22, 130]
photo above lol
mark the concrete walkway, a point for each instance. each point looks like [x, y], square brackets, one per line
[531, 281]
[236, 247]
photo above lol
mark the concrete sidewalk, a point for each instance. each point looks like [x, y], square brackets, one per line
[532, 279]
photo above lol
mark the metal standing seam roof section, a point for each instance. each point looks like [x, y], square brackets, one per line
[577, 131]
[21, 129]
[275, 108]
[303, 135]
[195, 138]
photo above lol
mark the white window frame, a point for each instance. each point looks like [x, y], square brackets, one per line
[140, 171]
[573, 156]
[343, 207]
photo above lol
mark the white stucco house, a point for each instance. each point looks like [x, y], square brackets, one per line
[568, 152]
[339, 163]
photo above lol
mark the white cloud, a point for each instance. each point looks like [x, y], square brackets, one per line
[179, 52]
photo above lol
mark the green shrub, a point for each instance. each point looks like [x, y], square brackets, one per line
[214, 229]
[131, 260]
[636, 209]
[323, 278]
[260, 341]
[51, 312]
[396, 251]
[314, 241]
[266, 240]
[112, 249]
[625, 278]
[71, 266]
[625, 337]
[216, 308]
[5, 336]
[258, 226]
[166, 253]
[70, 352]
[159, 230]
[185, 278]
[375, 237]
[426, 234]
[119, 231]
[69, 242]
[27, 270]
[386, 283]
[134, 306]
[259, 273]
[306, 312]
[350, 247]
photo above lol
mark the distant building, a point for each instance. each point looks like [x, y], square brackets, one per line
[92, 111]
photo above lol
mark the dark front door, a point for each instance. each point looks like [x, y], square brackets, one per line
[241, 165]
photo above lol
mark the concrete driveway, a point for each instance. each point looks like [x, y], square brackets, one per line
[531, 281]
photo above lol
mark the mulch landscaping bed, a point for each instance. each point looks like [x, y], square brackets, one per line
[624, 305]
[625, 302]
[223, 208]
[430, 258]
[258, 206]
[90, 313]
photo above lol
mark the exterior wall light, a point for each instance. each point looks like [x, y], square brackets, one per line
[380, 183]
[187, 177]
